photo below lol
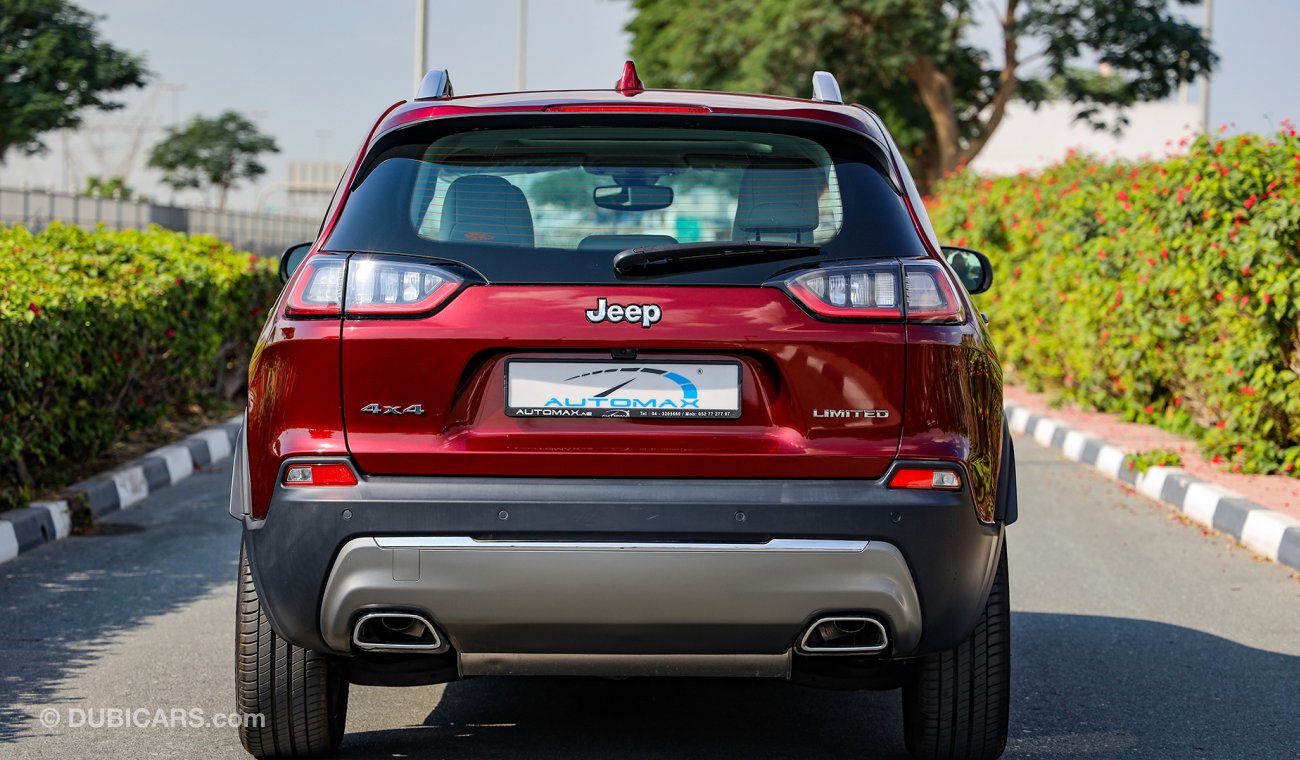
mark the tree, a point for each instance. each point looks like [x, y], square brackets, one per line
[53, 67]
[217, 152]
[111, 187]
[914, 63]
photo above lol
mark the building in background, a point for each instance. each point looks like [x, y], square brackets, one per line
[1029, 140]
[311, 185]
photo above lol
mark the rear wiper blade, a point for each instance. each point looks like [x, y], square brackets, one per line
[690, 257]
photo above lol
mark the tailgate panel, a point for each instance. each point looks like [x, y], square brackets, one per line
[803, 384]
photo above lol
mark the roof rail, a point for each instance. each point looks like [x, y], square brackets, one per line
[436, 85]
[826, 88]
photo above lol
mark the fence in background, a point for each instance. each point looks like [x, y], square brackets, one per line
[263, 234]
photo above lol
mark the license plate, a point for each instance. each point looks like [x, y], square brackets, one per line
[683, 390]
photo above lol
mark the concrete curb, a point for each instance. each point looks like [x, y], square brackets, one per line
[41, 522]
[1274, 534]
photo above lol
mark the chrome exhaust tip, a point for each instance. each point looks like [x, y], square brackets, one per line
[395, 632]
[844, 634]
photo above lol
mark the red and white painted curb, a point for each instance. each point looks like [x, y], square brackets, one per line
[41, 522]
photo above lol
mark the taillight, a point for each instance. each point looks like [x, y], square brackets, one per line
[931, 479]
[331, 474]
[388, 287]
[931, 296]
[921, 291]
[318, 288]
[849, 292]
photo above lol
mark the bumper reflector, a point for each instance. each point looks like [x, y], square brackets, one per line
[942, 480]
[319, 475]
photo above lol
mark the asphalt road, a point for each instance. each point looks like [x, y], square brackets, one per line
[1135, 635]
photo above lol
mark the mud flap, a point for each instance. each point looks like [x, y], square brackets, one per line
[1007, 508]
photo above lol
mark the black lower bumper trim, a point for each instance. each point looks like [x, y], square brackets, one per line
[951, 555]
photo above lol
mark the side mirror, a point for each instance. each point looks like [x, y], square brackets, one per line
[633, 197]
[972, 267]
[291, 258]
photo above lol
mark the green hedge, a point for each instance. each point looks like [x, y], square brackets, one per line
[104, 332]
[1166, 291]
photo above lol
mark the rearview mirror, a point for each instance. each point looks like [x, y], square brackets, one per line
[972, 267]
[633, 197]
[291, 258]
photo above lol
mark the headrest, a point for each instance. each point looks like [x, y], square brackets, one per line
[486, 209]
[779, 196]
[623, 242]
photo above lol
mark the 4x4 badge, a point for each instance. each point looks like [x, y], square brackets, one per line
[395, 410]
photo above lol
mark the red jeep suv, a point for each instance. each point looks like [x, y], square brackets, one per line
[626, 383]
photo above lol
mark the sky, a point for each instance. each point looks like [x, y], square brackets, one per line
[316, 73]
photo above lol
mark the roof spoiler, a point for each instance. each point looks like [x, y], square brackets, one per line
[826, 88]
[436, 86]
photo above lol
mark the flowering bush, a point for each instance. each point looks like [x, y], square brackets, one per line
[1166, 290]
[102, 332]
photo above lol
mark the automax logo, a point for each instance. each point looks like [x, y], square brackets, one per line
[689, 398]
[606, 389]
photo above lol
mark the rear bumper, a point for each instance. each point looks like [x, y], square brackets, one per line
[691, 567]
[619, 597]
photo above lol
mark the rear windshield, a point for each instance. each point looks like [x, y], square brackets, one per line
[556, 203]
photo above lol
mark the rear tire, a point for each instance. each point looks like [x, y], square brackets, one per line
[301, 695]
[957, 703]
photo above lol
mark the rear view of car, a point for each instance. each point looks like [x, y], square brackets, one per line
[626, 383]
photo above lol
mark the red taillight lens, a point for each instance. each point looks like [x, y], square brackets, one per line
[930, 479]
[387, 287]
[333, 474]
[318, 288]
[931, 296]
[868, 291]
[919, 290]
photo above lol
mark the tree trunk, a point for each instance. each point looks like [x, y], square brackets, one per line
[1006, 85]
[221, 197]
[935, 88]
